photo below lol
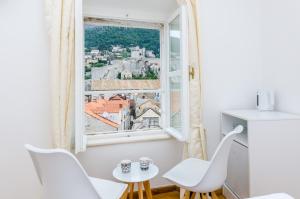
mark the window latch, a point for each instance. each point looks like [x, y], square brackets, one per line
[191, 72]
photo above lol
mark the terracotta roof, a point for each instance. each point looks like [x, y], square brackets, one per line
[125, 85]
[110, 106]
[100, 106]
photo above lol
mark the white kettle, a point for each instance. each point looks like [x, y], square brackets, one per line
[265, 100]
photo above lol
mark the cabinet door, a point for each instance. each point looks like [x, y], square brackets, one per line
[238, 170]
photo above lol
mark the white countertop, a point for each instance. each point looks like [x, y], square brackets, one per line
[253, 114]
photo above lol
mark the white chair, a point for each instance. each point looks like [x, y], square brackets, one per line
[62, 177]
[200, 176]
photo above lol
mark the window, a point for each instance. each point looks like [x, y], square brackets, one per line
[177, 76]
[131, 80]
[122, 71]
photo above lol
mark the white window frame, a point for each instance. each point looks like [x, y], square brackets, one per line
[184, 73]
[81, 139]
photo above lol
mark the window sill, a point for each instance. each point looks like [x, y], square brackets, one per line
[175, 133]
[102, 140]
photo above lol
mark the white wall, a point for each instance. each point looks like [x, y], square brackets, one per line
[281, 48]
[231, 75]
[231, 60]
[144, 10]
[24, 107]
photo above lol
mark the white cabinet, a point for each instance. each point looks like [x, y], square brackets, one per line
[265, 158]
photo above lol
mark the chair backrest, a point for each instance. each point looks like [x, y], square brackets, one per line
[217, 171]
[61, 174]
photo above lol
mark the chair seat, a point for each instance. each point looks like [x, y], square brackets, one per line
[274, 196]
[188, 173]
[108, 189]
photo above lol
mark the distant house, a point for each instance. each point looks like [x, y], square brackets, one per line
[137, 52]
[149, 118]
[117, 49]
[95, 52]
[126, 74]
[108, 114]
[150, 54]
[146, 104]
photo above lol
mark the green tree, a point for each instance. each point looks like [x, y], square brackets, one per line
[104, 37]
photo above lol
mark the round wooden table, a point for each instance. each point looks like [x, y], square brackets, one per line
[136, 175]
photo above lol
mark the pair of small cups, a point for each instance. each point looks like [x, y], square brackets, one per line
[143, 161]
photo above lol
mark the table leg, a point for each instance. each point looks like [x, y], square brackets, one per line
[131, 189]
[140, 190]
[148, 189]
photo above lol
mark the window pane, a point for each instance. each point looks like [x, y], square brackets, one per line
[108, 112]
[175, 102]
[121, 58]
[174, 35]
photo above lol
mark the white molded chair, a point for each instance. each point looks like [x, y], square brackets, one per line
[202, 176]
[62, 177]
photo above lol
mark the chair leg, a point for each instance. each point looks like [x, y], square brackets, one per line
[193, 195]
[187, 194]
[214, 195]
[140, 190]
[203, 195]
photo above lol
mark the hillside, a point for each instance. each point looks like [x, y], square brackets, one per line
[103, 37]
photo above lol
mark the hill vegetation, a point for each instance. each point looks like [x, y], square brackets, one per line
[104, 37]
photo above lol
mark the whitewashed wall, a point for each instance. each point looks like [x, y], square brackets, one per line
[231, 59]
[281, 49]
[25, 96]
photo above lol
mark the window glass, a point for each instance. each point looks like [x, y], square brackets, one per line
[175, 102]
[174, 36]
[175, 79]
[122, 79]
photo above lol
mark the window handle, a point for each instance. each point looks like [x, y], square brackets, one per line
[192, 72]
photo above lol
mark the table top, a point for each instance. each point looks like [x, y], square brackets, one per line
[136, 174]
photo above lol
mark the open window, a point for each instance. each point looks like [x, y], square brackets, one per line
[131, 79]
[177, 75]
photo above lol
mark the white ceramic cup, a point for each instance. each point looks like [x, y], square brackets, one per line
[145, 163]
[126, 166]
